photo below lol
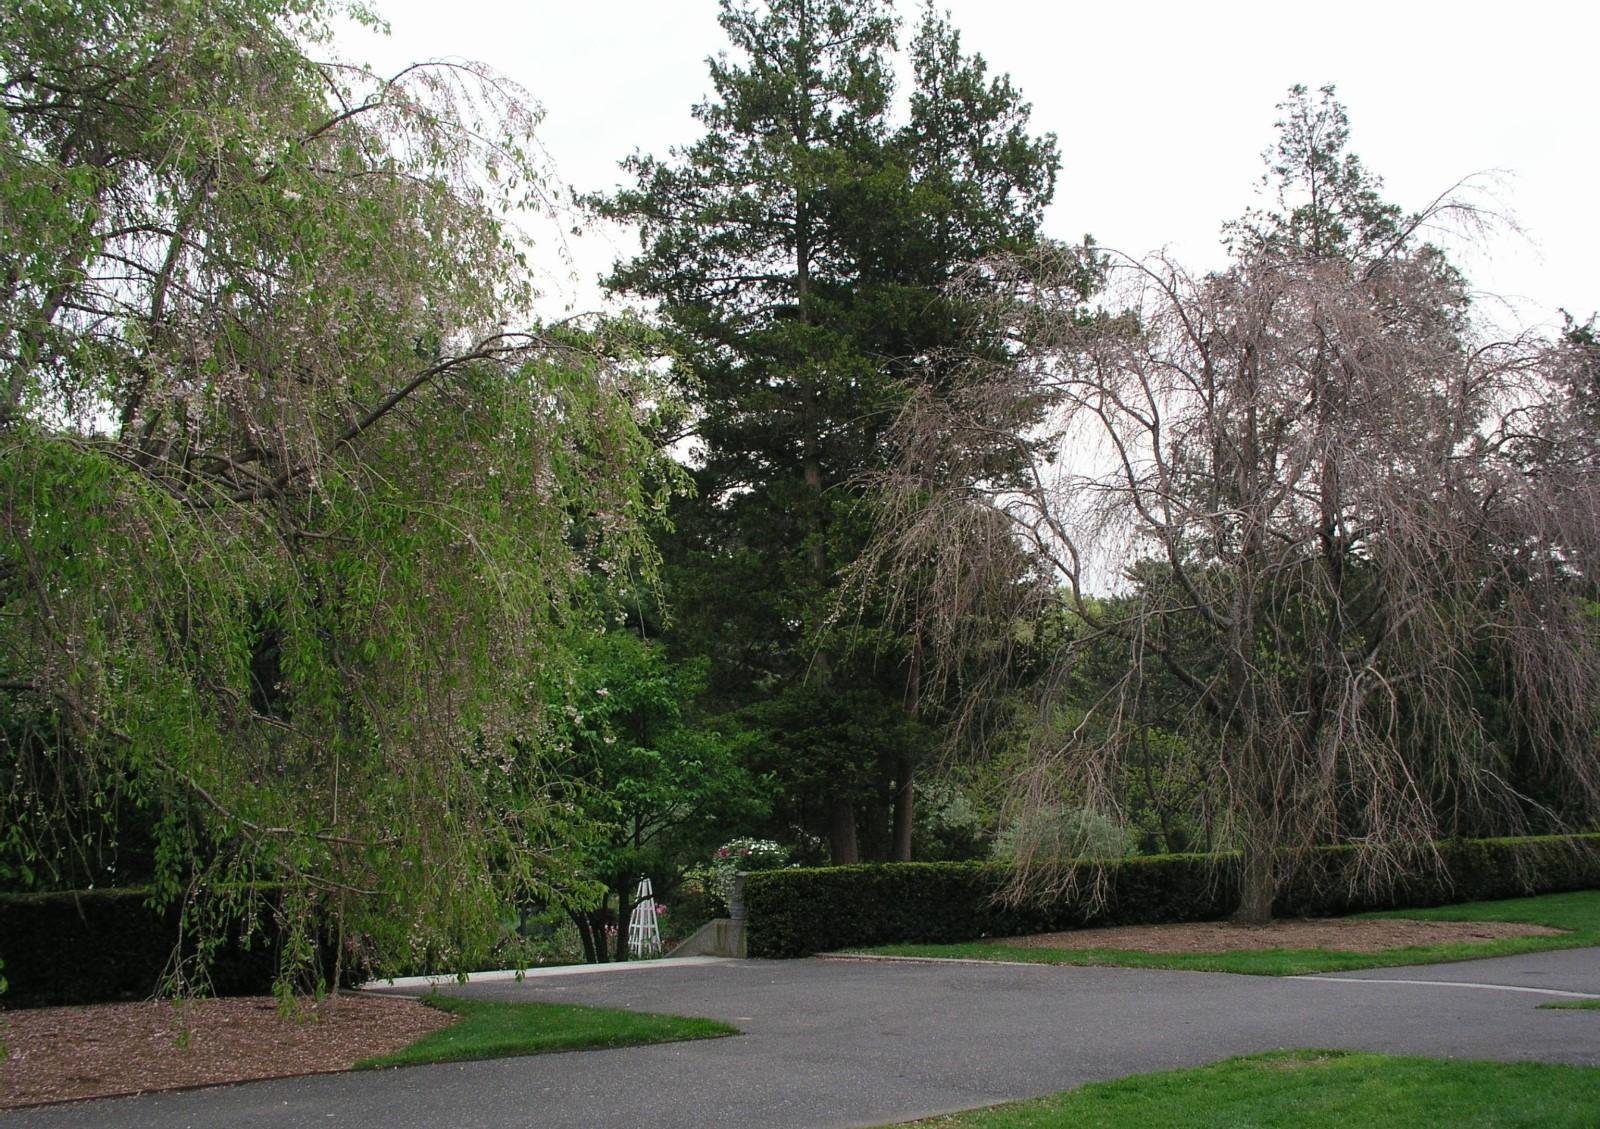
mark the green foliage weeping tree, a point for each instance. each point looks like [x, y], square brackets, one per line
[798, 254]
[1352, 529]
[292, 521]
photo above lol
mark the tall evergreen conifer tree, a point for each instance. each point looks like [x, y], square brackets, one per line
[797, 253]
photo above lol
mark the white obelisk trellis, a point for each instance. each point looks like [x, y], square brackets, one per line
[644, 935]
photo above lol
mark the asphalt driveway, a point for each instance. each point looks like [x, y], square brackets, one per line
[845, 1043]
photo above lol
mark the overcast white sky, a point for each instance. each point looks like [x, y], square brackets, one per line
[1162, 109]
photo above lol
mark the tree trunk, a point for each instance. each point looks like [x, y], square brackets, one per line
[842, 816]
[1258, 881]
[585, 935]
[623, 910]
[842, 832]
[905, 766]
[904, 807]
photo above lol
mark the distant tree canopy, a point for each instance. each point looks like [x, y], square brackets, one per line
[1351, 533]
[293, 518]
[660, 788]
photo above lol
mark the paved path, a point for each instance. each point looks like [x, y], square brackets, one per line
[845, 1043]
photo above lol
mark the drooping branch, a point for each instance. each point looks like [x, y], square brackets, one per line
[1273, 514]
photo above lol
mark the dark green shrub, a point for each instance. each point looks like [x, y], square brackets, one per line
[95, 946]
[801, 911]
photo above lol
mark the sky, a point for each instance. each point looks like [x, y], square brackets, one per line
[1162, 110]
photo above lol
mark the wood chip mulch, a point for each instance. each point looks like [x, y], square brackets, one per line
[1344, 935]
[69, 1053]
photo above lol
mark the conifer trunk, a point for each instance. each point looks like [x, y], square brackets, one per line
[842, 832]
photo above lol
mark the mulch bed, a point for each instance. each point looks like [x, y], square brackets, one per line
[68, 1053]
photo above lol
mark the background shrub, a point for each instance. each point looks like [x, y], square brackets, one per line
[1060, 833]
[802, 911]
[97, 946]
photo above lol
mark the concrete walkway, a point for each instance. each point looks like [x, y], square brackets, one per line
[422, 985]
[847, 1043]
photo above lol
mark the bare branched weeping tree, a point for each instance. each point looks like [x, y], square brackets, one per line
[1340, 540]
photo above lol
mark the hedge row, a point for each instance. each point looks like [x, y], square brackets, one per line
[96, 946]
[797, 912]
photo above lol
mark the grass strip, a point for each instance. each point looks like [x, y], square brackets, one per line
[1571, 1005]
[493, 1029]
[1311, 1089]
[1577, 913]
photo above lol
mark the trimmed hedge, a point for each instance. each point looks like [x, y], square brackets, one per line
[798, 912]
[97, 946]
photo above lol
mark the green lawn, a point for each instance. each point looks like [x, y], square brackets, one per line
[488, 1029]
[1578, 913]
[1316, 1090]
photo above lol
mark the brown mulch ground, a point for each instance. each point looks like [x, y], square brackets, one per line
[66, 1053]
[1343, 934]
